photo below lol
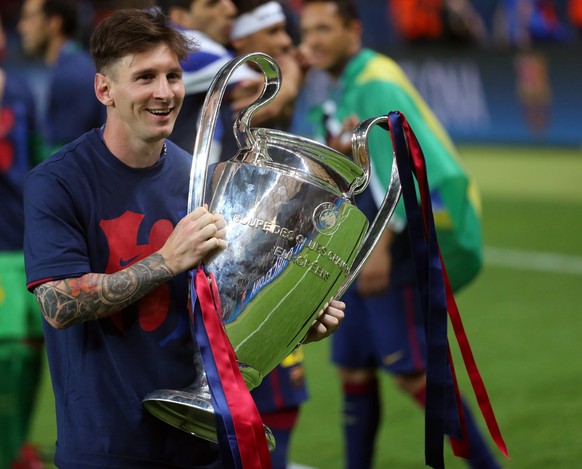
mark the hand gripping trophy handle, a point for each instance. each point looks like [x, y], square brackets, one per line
[295, 238]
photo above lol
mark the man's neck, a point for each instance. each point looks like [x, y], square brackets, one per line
[134, 153]
[338, 71]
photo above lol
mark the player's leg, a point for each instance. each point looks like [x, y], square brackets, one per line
[20, 355]
[281, 423]
[278, 399]
[19, 369]
[352, 353]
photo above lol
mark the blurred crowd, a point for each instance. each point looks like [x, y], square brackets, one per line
[397, 23]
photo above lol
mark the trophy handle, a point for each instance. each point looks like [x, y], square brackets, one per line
[360, 148]
[271, 85]
[209, 117]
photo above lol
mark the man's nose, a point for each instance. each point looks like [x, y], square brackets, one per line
[163, 89]
[230, 8]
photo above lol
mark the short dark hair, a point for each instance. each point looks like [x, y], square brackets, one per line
[66, 10]
[346, 9]
[131, 31]
[165, 5]
[245, 6]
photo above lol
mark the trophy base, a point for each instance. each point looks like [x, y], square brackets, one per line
[190, 412]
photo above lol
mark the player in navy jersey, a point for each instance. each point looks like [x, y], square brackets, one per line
[20, 322]
[108, 245]
[69, 107]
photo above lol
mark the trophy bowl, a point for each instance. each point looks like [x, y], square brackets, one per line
[296, 240]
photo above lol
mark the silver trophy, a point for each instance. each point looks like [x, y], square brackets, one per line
[295, 238]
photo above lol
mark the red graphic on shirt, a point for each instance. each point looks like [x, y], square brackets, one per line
[124, 250]
[6, 147]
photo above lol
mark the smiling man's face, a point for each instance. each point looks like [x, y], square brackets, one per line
[145, 93]
[329, 39]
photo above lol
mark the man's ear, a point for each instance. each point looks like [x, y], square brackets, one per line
[55, 25]
[355, 27]
[103, 89]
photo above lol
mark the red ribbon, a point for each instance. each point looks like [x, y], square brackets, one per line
[460, 448]
[248, 425]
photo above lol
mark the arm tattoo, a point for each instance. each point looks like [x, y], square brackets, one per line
[94, 296]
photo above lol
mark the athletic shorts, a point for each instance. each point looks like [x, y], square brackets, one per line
[383, 331]
[284, 387]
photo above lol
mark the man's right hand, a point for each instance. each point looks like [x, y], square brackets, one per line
[198, 236]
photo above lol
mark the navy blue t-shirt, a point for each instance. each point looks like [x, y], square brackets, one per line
[17, 124]
[86, 211]
[72, 107]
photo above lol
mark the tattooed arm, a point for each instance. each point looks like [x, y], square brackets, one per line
[196, 237]
[94, 296]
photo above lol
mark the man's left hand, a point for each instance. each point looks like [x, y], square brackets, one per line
[327, 322]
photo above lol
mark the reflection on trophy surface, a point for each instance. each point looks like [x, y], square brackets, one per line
[295, 238]
[292, 259]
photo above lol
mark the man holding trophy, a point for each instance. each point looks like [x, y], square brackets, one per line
[108, 246]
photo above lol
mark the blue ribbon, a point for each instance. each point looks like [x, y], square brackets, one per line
[230, 452]
[441, 416]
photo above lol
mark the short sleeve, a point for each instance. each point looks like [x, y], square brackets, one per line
[54, 240]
